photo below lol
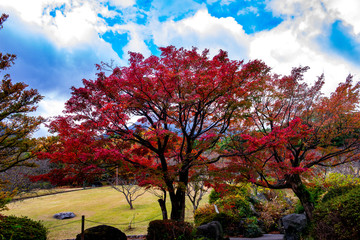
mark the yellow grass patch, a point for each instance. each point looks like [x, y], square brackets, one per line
[100, 205]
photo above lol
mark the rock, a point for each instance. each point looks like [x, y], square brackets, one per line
[259, 197]
[97, 184]
[102, 232]
[212, 230]
[64, 215]
[293, 225]
[253, 210]
[288, 201]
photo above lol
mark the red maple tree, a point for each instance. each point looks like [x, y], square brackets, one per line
[293, 128]
[158, 115]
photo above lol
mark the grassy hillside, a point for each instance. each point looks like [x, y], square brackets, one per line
[102, 205]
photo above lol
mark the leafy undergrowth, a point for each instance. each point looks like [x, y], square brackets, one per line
[98, 205]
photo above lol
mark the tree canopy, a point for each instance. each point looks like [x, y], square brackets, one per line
[159, 115]
[165, 118]
[293, 128]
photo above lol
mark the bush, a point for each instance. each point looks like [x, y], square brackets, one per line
[322, 189]
[338, 218]
[271, 212]
[214, 196]
[169, 230]
[204, 214]
[227, 220]
[21, 228]
[251, 228]
[229, 223]
[238, 205]
[338, 191]
[335, 180]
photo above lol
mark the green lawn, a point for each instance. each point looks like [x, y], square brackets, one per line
[103, 205]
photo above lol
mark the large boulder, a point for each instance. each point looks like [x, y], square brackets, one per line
[212, 230]
[64, 215]
[102, 232]
[293, 225]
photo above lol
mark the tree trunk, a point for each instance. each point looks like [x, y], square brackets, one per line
[303, 194]
[178, 204]
[163, 209]
[128, 199]
[178, 198]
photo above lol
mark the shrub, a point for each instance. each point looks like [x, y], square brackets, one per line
[5, 197]
[232, 209]
[338, 218]
[227, 220]
[251, 228]
[204, 214]
[229, 223]
[271, 212]
[213, 196]
[338, 191]
[169, 230]
[237, 204]
[21, 228]
[323, 189]
[336, 180]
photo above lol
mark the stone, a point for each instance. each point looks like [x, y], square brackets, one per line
[259, 197]
[97, 184]
[253, 210]
[293, 225]
[212, 230]
[288, 201]
[64, 215]
[102, 232]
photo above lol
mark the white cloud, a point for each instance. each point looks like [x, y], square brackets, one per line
[73, 27]
[288, 7]
[227, 2]
[247, 10]
[346, 10]
[122, 3]
[52, 105]
[137, 36]
[29, 11]
[136, 44]
[76, 23]
[222, 2]
[296, 41]
[204, 31]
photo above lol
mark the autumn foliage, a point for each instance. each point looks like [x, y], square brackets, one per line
[292, 129]
[159, 116]
[166, 118]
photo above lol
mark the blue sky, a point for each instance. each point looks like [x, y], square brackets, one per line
[58, 42]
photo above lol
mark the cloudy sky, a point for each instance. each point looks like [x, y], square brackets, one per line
[58, 42]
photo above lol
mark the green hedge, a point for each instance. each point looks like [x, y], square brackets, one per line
[169, 230]
[21, 228]
[338, 191]
[338, 218]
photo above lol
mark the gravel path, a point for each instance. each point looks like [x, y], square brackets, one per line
[265, 237]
